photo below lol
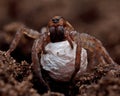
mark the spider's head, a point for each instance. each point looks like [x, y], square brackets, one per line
[56, 27]
[56, 21]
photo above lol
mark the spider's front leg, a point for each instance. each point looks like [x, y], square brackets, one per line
[29, 32]
[38, 49]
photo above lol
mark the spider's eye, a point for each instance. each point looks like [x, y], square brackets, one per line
[55, 20]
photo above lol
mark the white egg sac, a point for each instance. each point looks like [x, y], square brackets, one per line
[60, 60]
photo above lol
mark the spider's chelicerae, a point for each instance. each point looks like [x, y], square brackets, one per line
[59, 30]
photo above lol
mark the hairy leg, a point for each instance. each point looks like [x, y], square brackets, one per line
[77, 65]
[94, 46]
[29, 32]
[77, 58]
[36, 49]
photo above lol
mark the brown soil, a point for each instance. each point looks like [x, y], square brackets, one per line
[16, 79]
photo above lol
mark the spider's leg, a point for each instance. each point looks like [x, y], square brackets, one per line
[77, 58]
[70, 41]
[94, 46]
[36, 49]
[77, 64]
[78, 52]
[29, 32]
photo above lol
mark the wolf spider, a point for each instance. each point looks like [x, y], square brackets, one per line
[58, 29]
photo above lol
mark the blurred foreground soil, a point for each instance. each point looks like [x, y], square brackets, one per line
[16, 79]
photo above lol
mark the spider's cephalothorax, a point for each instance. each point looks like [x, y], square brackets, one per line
[57, 27]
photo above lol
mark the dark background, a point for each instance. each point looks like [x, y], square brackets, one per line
[100, 18]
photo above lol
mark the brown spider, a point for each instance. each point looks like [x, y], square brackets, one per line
[58, 30]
